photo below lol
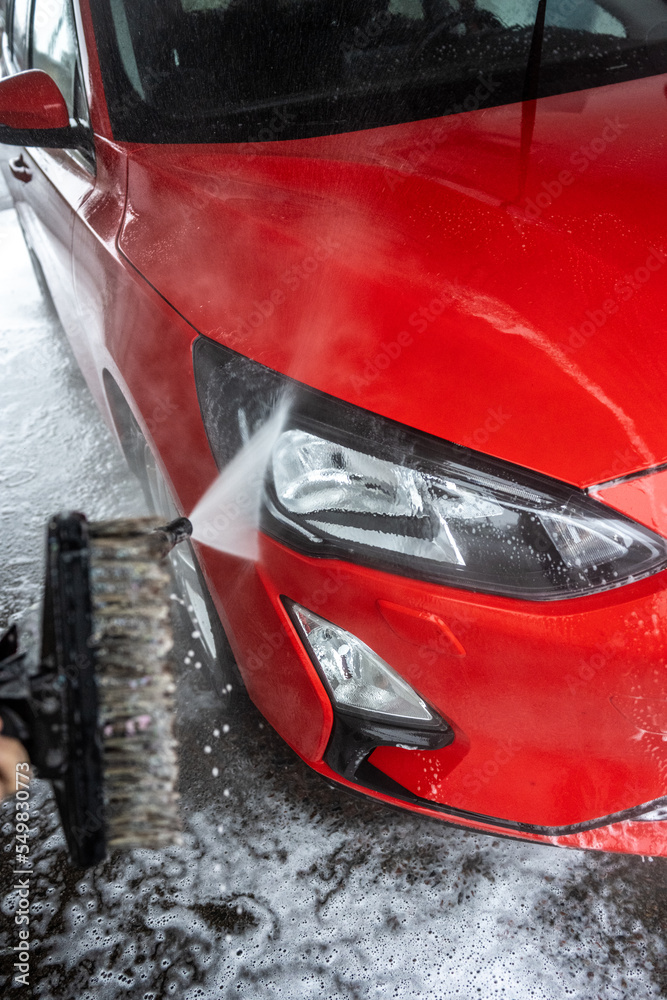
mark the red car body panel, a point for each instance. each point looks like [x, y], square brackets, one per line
[524, 318]
[21, 97]
[643, 498]
[405, 270]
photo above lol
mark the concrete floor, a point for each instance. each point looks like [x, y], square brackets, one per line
[283, 888]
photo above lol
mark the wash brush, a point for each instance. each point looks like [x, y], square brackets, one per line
[95, 708]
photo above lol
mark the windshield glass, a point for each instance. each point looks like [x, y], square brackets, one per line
[257, 70]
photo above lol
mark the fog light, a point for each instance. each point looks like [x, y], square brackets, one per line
[356, 677]
[372, 705]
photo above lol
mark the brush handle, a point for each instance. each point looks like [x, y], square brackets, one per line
[31, 700]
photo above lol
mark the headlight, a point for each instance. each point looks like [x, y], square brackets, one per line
[346, 483]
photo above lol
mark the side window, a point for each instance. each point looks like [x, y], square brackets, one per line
[4, 15]
[20, 22]
[579, 15]
[54, 46]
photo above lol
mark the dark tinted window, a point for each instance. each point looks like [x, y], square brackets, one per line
[238, 70]
[20, 21]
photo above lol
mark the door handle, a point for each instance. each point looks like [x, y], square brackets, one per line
[20, 169]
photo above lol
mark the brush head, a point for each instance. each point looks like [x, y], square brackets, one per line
[95, 708]
[132, 638]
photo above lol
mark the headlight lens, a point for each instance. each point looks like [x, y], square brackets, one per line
[346, 483]
[458, 524]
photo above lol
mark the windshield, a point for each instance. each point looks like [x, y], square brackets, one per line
[257, 70]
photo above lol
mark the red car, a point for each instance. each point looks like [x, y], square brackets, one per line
[397, 269]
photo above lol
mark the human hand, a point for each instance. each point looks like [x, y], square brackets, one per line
[12, 753]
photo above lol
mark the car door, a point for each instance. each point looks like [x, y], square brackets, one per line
[49, 185]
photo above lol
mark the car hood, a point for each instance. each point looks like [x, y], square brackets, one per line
[493, 280]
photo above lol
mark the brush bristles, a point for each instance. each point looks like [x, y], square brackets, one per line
[133, 639]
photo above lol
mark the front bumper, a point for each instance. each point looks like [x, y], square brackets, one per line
[548, 702]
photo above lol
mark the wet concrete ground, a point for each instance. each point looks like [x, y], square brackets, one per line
[283, 888]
